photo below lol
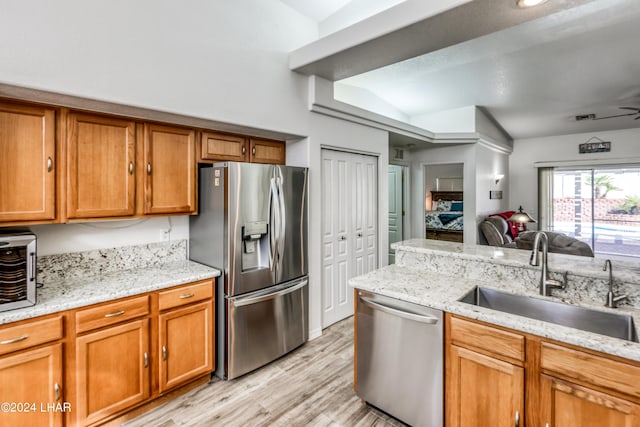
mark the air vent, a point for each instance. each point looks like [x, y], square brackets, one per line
[399, 154]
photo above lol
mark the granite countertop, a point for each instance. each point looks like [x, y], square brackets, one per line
[442, 291]
[65, 294]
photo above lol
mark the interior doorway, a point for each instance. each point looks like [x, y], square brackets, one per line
[443, 201]
[398, 206]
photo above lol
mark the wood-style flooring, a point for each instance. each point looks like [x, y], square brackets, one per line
[312, 386]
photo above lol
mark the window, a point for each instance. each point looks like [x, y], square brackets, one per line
[600, 206]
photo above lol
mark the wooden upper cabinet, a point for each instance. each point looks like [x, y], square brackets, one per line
[265, 151]
[27, 163]
[100, 166]
[222, 147]
[169, 170]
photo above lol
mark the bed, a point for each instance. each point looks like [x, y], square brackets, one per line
[445, 220]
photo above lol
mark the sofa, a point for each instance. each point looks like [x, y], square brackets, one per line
[495, 231]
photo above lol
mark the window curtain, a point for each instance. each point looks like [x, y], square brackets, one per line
[545, 198]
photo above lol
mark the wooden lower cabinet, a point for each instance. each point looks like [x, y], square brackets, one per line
[31, 386]
[112, 369]
[490, 370]
[566, 404]
[186, 344]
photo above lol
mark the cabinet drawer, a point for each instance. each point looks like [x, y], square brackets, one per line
[104, 315]
[488, 339]
[591, 369]
[30, 334]
[185, 295]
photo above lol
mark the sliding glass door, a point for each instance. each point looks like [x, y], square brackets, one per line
[600, 206]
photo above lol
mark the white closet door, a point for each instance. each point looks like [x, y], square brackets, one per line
[349, 228]
[395, 208]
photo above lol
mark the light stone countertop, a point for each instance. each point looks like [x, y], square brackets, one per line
[66, 294]
[442, 291]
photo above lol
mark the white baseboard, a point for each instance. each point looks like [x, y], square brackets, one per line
[316, 333]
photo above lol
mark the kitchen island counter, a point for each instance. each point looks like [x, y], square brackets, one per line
[427, 282]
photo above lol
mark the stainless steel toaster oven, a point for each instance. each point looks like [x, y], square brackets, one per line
[17, 268]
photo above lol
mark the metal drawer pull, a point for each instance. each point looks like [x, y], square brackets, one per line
[164, 352]
[49, 164]
[149, 168]
[517, 418]
[11, 341]
[399, 313]
[130, 168]
[115, 314]
[145, 356]
[185, 296]
[56, 389]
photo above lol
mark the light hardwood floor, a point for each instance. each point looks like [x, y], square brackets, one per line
[312, 386]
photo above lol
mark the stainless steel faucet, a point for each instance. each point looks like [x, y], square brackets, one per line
[546, 284]
[612, 300]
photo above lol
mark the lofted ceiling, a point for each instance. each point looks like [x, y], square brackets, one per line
[533, 78]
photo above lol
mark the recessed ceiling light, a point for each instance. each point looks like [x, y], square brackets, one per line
[529, 3]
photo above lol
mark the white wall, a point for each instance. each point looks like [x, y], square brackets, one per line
[490, 162]
[523, 175]
[219, 60]
[457, 120]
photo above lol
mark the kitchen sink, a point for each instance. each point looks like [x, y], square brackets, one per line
[617, 325]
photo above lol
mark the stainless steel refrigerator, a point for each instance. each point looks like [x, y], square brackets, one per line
[252, 225]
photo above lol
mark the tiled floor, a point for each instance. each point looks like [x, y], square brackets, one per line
[312, 386]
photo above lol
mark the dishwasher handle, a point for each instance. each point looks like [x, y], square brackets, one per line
[399, 313]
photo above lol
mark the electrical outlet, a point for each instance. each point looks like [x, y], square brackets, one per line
[165, 235]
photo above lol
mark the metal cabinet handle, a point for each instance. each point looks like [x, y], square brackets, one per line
[115, 314]
[148, 168]
[145, 356]
[244, 150]
[49, 164]
[130, 168]
[517, 419]
[399, 313]
[56, 389]
[546, 425]
[164, 352]
[253, 151]
[11, 341]
[185, 296]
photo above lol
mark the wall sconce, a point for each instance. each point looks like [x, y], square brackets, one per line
[498, 177]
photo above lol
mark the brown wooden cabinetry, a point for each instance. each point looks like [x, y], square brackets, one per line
[488, 367]
[266, 151]
[112, 364]
[31, 379]
[27, 163]
[484, 382]
[218, 147]
[169, 170]
[100, 166]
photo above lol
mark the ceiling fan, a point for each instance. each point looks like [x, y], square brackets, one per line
[635, 113]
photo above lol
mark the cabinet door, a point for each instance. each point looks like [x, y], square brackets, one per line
[27, 162]
[112, 370]
[31, 381]
[483, 391]
[186, 344]
[170, 180]
[567, 404]
[269, 152]
[221, 147]
[100, 166]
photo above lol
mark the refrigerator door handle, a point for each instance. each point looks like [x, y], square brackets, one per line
[240, 302]
[283, 219]
[274, 227]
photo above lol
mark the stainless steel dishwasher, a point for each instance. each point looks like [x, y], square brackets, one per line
[400, 358]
